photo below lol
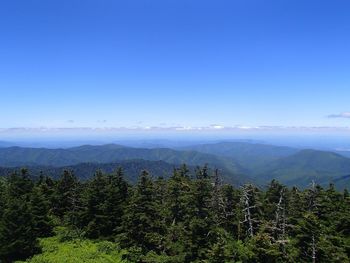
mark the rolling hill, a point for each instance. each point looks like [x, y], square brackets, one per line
[239, 162]
[289, 165]
[306, 165]
[14, 156]
[19, 156]
[342, 182]
[344, 153]
[5, 144]
[248, 155]
[84, 171]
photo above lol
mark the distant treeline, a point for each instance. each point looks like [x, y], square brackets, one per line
[186, 218]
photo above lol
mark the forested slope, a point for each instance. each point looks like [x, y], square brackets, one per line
[187, 218]
[238, 162]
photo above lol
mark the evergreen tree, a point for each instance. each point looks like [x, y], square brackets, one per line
[142, 226]
[232, 210]
[18, 238]
[2, 198]
[40, 208]
[178, 196]
[94, 215]
[178, 205]
[66, 201]
[274, 195]
[201, 217]
[117, 198]
[180, 219]
[104, 201]
[47, 187]
[309, 232]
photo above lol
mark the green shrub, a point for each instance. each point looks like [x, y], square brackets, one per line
[76, 251]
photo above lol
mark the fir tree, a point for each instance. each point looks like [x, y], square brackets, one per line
[40, 208]
[66, 204]
[18, 238]
[232, 212]
[94, 213]
[201, 219]
[178, 206]
[142, 228]
[117, 192]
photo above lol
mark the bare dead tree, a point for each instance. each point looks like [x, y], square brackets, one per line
[280, 222]
[279, 208]
[312, 202]
[246, 199]
[218, 203]
[280, 215]
[312, 207]
[217, 198]
[313, 247]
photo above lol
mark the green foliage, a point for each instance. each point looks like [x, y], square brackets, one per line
[17, 227]
[104, 204]
[142, 226]
[66, 196]
[77, 251]
[186, 218]
[40, 207]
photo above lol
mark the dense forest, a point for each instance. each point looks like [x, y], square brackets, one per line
[188, 217]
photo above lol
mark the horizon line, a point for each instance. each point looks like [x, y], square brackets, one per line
[213, 127]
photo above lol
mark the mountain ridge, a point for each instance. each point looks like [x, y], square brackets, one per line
[116, 153]
[238, 162]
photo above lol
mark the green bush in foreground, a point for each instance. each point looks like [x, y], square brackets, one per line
[76, 251]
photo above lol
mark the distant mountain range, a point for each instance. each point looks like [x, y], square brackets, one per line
[85, 171]
[248, 155]
[111, 153]
[238, 162]
[288, 165]
[307, 165]
[5, 144]
[344, 153]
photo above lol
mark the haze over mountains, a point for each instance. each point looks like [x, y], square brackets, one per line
[238, 162]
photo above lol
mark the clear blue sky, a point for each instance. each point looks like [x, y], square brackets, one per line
[68, 63]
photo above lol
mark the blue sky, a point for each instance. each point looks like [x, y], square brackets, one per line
[102, 63]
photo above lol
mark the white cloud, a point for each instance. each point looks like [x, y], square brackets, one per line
[345, 115]
[216, 126]
[210, 128]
